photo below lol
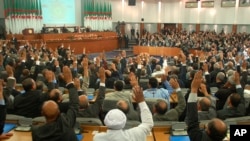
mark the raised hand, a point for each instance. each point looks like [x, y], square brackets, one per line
[244, 65]
[203, 89]
[174, 83]
[236, 78]
[67, 75]
[102, 74]
[133, 80]
[77, 83]
[196, 82]
[85, 62]
[138, 94]
[49, 75]
[9, 71]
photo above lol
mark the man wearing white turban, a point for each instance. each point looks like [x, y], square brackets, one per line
[115, 120]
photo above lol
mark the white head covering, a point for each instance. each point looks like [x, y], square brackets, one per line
[115, 119]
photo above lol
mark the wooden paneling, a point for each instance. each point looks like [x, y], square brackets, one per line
[141, 29]
[78, 36]
[198, 28]
[91, 45]
[159, 27]
[161, 133]
[158, 51]
[234, 28]
[170, 26]
[179, 27]
[92, 41]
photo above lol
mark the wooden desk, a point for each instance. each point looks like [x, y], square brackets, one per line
[161, 133]
[93, 42]
[158, 51]
[20, 136]
[26, 136]
[87, 135]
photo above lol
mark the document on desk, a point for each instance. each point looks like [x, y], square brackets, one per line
[179, 138]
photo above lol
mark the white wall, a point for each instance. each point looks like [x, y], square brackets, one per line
[174, 11]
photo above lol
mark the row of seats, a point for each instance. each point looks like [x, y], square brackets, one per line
[97, 122]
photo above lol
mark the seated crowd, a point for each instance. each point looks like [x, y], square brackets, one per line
[56, 82]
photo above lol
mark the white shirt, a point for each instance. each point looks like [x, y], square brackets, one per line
[138, 133]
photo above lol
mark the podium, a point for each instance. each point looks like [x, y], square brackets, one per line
[28, 31]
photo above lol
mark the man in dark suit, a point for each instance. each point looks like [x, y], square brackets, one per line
[64, 29]
[29, 103]
[44, 29]
[55, 30]
[216, 130]
[56, 96]
[60, 126]
[3, 114]
[235, 105]
[206, 105]
[132, 33]
[123, 61]
[87, 110]
[13, 41]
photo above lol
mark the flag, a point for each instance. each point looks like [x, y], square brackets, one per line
[20, 14]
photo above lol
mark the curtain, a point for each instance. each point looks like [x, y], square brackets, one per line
[97, 14]
[21, 14]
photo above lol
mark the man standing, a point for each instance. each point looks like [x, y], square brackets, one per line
[132, 33]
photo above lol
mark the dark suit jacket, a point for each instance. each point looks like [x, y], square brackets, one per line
[2, 117]
[94, 109]
[228, 112]
[194, 131]
[222, 94]
[28, 104]
[213, 75]
[62, 128]
[14, 41]
[123, 62]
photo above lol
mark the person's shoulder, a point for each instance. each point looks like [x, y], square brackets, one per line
[110, 94]
[162, 90]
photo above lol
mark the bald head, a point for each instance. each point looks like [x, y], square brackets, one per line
[204, 104]
[83, 101]
[55, 95]
[220, 77]
[160, 107]
[50, 110]
[230, 65]
[216, 129]
[123, 106]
